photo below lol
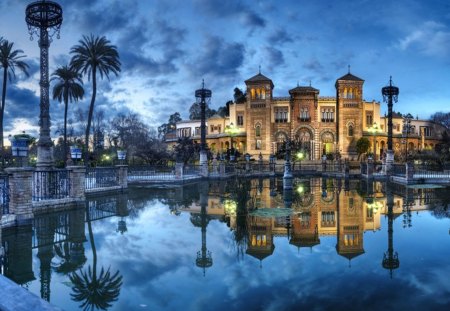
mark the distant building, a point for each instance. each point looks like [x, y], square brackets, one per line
[317, 124]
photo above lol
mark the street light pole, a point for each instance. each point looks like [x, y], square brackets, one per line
[390, 95]
[44, 19]
[405, 132]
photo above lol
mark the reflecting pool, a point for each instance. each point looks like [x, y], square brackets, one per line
[327, 244]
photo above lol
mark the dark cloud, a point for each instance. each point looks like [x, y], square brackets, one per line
[218, 58]
[20, 103]
[134, 63]
[314, 65]
[279, 37]
[274, 56]
[234, 9]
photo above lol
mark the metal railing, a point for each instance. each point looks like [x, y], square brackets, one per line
[102, 177]
[399, 169]
[4, 194]
[50, 185]
[431, 171]
[151, 172]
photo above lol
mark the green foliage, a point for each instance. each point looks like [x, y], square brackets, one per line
[186, 150]
[239, 96]
[362, 146]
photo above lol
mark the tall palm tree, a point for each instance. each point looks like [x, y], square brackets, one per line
[10, 59]
[92, 290]
[68, 87]
[92, 55]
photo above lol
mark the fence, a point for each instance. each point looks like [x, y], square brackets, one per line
[432, 171]
[102, 177]
[4, 194]
[399, 169]
[49, 185]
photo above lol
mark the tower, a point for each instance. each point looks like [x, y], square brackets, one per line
[258, 123]
[349, 113]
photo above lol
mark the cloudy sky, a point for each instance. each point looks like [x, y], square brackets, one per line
[168, 47]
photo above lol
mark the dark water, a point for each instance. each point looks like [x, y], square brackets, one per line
[242, 245]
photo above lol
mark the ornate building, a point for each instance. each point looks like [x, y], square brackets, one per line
[318, 125]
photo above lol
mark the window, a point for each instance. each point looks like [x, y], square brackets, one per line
[327, 114]
[328, 219]
[369, 119]
[184, 132]
[425, 131]
[240, 120]
[252, 92]
[281, 115]
[258, 144]
[304, 114]
[258, 130]
[197, 131]
[350, 130]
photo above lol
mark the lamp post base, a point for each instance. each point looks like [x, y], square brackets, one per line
[389, 162]
[44, 156]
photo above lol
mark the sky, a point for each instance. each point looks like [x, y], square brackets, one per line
[167, 47]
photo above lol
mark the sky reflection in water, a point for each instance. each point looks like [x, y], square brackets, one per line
[157, 254]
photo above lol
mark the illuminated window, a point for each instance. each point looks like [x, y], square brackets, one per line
[281, 115]
[263, 94]
[252, 92]
[258, 144]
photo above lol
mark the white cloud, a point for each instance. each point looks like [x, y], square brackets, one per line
[430, 38]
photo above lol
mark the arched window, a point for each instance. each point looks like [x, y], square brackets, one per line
[263, 93]
[350, 93]
[350, 130]
[258, 93]
[258, 130]
[252, 91]
[345, 93]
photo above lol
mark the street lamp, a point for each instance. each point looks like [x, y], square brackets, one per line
[374, 129]
[406, 131]
[44, 19]
[390, 95]
[232, 131]
[202, 97]
[300, 157]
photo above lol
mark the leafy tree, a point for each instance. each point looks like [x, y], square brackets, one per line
[68, 87]
[94, 55]
[195, 112]
[170, 125]
[10, 59]
[224, 111]
[362, 146]
[239, 96]
[186, 149]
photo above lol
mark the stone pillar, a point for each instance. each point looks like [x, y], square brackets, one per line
[346, 168]
[179, 167]
[77, 182]
[389, 162]
[20, 193]
[409, 172]
[370, 167]
[123, 176]
[222, 168]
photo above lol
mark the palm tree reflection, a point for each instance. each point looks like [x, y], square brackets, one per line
[95, 291]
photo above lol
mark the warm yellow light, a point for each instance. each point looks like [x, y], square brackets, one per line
[300, 189]
[300, 155]
[230, 207]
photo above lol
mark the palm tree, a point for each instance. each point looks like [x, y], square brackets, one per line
[67, 88]
[10, 59]
[92, 55]
[95, 291]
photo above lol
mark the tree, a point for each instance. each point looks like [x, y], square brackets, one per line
[442, 118]
[95, 291]
[170, 125]
[362, 146]
[239, 96]
[195, 112]
[94, 55]
[186, 149]
[10, 59]
[68, 87]
[224, 111]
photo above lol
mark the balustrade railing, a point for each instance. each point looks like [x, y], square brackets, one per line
[102, 177]
[4, 194]
[49, 185]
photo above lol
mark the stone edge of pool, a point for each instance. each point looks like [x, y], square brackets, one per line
[16, 298]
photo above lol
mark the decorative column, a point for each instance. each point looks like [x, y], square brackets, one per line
[390, 94]
[44, 19]
[123, 176]
[77, 182]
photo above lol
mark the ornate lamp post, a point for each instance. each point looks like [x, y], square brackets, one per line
[232, 131]
[390, 94]
[374, 130]
[44, 19]
[202, 96]
[406, 131]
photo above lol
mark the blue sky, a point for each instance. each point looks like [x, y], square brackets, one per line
[168, 47]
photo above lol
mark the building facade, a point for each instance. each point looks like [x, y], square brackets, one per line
[316, 125]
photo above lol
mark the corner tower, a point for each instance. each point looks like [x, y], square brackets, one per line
[258, 125]
[349, 112]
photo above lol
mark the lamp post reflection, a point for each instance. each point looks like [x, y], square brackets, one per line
[390, 258]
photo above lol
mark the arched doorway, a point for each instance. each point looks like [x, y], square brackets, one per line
[280, 144]
[327, 140]
[303, 141]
